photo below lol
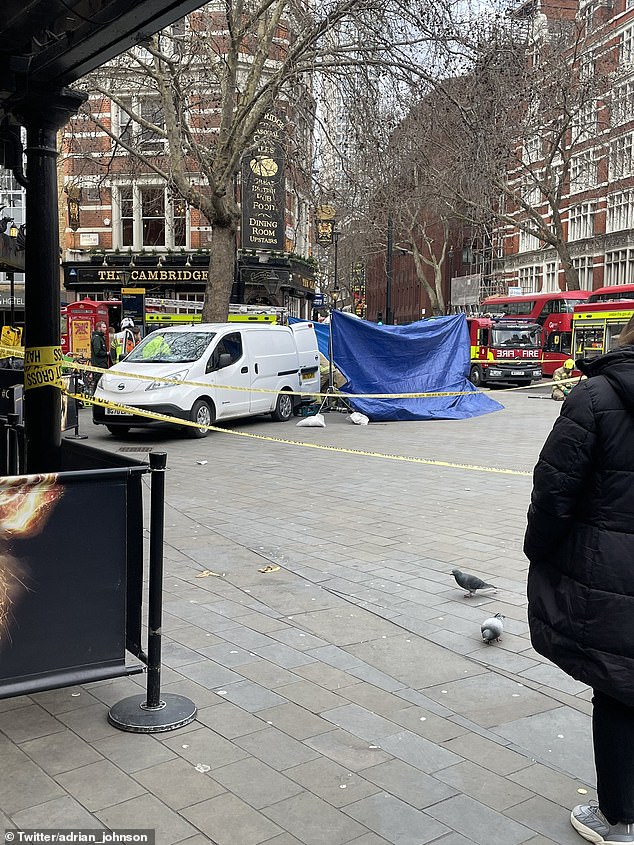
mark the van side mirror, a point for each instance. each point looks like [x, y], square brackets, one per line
[224, 360]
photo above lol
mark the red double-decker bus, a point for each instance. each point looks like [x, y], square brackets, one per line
[553, 311]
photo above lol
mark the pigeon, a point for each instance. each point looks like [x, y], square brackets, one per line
[492, 628]
[470, 582]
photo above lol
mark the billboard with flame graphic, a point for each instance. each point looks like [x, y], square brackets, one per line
[63, 578]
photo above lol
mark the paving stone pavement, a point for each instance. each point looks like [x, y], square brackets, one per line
[347, 698]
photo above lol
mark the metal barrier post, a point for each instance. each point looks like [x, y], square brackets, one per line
[154, 712]
[4, 448]
[74, 377]
[14, 459]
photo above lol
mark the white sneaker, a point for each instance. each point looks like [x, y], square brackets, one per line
[589, 822]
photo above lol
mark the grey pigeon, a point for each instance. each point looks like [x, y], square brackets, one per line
[492, 628]
[470, 582]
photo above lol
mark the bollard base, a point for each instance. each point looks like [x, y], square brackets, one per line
[132, 714]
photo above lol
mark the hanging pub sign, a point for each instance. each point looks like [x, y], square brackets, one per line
[74, 200]
[325, 224]
[264, 188]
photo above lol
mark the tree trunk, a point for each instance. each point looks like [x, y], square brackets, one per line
[220, 275]
[571, 275]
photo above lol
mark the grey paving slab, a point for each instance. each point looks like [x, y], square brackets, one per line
[256, 783]
[226, 820]
[295, 721]
[409, 783]
[60, 752]
[99, 785]
[479, 823]
[28, 722]
[267, 674]
[561, 735]
[209, 674]
[204, 746]
[546, 818]
[60, 700]
[169, 826]
[229, 721]
[252, 697]
[227, 654]
[132, 752]
[90, 723]
[348, 750]
[490, 699]
[395, 821]
[334, 783]
[360, 722]
[23, 784]
[285, 655]
[327, 677]
[276, 748]
[489, 754]
[485, 786]
[418, 751]
[65, 813]
[178, 784]
[415, 662]
[308, 818]
[344, 626]
[553, 785]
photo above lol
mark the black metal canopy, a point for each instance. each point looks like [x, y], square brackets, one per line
[47, 44]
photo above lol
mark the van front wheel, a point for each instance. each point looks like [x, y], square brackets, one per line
[203, 415]
[283, 408]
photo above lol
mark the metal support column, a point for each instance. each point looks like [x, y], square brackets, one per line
[43, 114]
[389, 271]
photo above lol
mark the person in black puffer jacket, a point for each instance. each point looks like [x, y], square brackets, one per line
[580, 544]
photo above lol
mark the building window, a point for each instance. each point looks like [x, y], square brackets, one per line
[530, 278]
[583, 171]
[620, 157]
[619, 267]
[623, 103]
[148, 217]
[584, 266]
[532, 151]
[528, 242]
[550, 277]
[126, 201]
[620, 211]
[135, 134]
[581, 221]
[584, 122]
[626, 47]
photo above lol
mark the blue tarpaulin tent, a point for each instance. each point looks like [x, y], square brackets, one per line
[428, 356]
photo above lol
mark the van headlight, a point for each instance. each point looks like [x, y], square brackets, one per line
[156, 385]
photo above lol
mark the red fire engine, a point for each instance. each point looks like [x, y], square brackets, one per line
[504, 351]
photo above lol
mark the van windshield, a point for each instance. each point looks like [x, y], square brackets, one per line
[171, 347]
[524, 335]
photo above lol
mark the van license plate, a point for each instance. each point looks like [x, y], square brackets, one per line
[518, 373]
[115, 412]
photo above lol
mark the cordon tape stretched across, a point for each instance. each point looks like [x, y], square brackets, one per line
[10, 350]
[342, 450]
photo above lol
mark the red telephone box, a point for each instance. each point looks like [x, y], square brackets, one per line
[81, 320]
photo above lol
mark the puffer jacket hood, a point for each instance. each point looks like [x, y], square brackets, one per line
[618, 369]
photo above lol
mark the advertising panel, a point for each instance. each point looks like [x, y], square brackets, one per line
[63, 593]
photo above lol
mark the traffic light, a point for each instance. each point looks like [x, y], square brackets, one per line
[379, 318]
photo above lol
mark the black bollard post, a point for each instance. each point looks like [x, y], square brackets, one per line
[158, 463]
[4, 448]
[154, 712]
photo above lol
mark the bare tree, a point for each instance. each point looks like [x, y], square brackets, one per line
[200, 94]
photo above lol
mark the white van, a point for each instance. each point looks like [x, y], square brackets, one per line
[218, 356]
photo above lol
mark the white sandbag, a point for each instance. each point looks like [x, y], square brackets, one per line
[316, 421]
[358, 419]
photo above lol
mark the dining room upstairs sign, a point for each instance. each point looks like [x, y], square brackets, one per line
[263, 188]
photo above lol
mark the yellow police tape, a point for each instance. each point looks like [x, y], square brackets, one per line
[342, 450]
[42, 367]
[338, 394]
[167, 380]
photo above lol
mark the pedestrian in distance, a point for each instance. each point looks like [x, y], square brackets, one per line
[99, 350]
[562, 374]
[580, 544]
